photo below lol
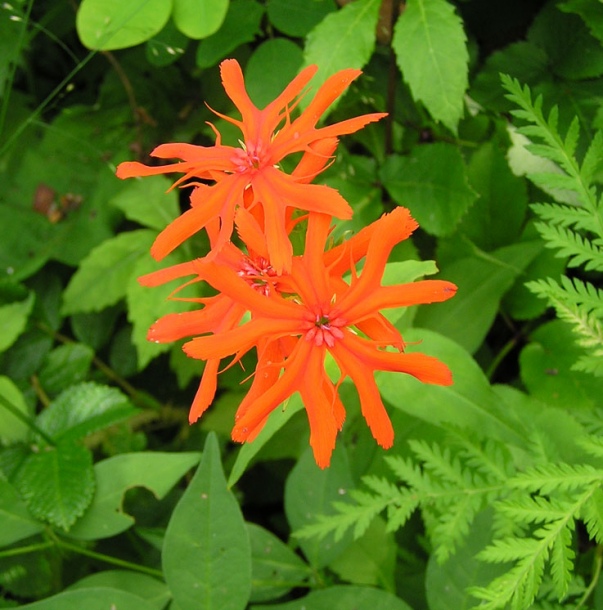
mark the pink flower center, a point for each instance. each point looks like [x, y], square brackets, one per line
[257, 273]
[250, 157]
[325, 329]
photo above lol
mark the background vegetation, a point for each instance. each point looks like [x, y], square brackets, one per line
[492, 494]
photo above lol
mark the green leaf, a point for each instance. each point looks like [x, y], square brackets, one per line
[370, 560]
[432, 183]
[57, 483]
[146, 305]
[166, 47]
[343, 39]
[270, 69]
[546, 369]
[107, 25]
[591, 13]
[309, 492]
[277, 419]
[83, 409]
[241, 25]
[469, 403]
[482, 281]
[199, 19]
[148, 202]
[152, 590]
[98, 598]
[95, 329]
[275, 567]
[156, 471]
[64, 366]
[206, 552]
[103, 276]
[431, 51]
[297, 17]
[16, 522]
[13, 319]
[446, 583]
[572, 52]
[12, 429]
[343, 597]
[497, 217]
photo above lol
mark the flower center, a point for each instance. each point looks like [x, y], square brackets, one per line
[254, 273]
[325, 329]
[250, 157]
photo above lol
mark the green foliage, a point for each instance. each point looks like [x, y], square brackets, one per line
[575, 232]
[491, 495]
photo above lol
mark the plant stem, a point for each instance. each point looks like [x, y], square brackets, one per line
[9, 406]
[122, 563]
[13, 67]
[597, 565]
[32, 548]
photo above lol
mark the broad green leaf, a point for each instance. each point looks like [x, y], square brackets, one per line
[206, 551]
[446, 584]
[343, 597]
[572, 52]
[497, 217]
[343, 39]
[522, 60]
[546, 369]
[13, 319]
[102, 278]
[275, 422]
[83, 409]
[591, 13]
[98, 598]
[199, 19]
[468, 404]
[166, 47]
[275, 567]
[57, 483]
[153, 591]
[309, 492]
[482, 281]
[146, 305]
[27, 576]
[241, 25]
[64, 366]
[270, 69]
[370, 560]
[156, 471]
[432, 183]
[148, 202]
[431, 51]
[95, 329]
[107, 25]
[297, 17]
[16, 522]
[12, 429]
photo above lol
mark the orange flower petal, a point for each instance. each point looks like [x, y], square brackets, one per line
[162, 276]
[401, 295]
[239, 340]
[371, 404]
[323, 425]
[255, 410]
[206, 391]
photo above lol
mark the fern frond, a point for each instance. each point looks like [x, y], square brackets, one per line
[547, 478]
[528, 510]
[489, 459]
[562, 560]
[571, 244]
[592, 515]
[564, 215]
[440, 462]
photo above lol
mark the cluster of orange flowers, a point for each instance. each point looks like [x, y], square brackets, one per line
[292, 309]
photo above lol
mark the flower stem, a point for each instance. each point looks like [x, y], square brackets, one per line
[122, 563]
[14, 410]
[597, 565]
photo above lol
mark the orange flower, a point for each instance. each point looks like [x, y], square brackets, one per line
[248, 176]
[293, 335]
